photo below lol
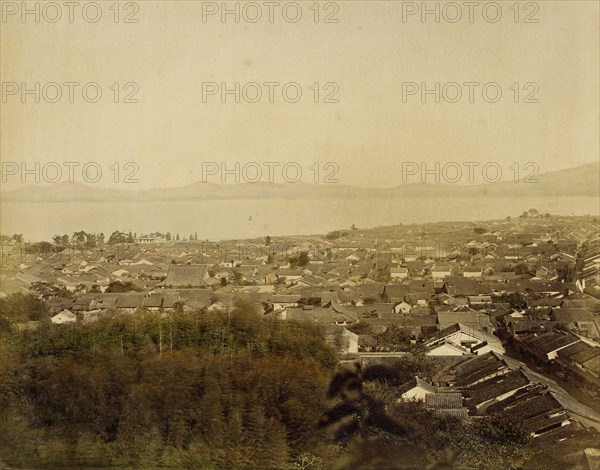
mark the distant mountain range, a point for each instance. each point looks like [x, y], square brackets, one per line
[579, 181]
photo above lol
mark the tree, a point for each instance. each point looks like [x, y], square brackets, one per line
[381, 433]
[300, 260]
[566, 272]
[333, 235]
[361, 328]
[40, 248]
[354, 412]
[121, 286]
[23, 307]
[267, 240]
[79, 238]
[494, 443]
[90, 240]
[61, 240]
[223, 389]
[521, 268]
[394, 338]
[515, 299]
[117, 237]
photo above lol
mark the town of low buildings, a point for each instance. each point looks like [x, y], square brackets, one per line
[510, 307]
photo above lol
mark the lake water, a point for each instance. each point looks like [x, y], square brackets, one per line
[249, 218]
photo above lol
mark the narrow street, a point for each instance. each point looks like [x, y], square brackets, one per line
[572, 389]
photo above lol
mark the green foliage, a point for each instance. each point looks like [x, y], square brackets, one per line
[566, 272]
[381, 432]
[515, 299]
[15, 238]
[23, 307]
[39, 248]
[361, 328]
[47, 290]
[82, 239]
[334, 235]
[479, 230]
[222, 389]
[121, 286]
[119, 237]
[521, 268]
[300, 260]
[394, 339]
[494, 443]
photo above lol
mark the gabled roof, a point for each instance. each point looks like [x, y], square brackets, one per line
[552, 340]
[571, 315]
[186, 275]
[472, 269]
[318, 315]
[475, 369]
[130, 300]
[496, 386]
[396, 291]
[444, 400]
[471, 319]
[579, 352]
[527, 406]
[526, 324]
[458, 285]
[64, 316]
[441, 268]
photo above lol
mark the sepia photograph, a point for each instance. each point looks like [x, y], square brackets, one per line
[300, 235]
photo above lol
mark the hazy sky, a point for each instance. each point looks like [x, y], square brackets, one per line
[368, 55]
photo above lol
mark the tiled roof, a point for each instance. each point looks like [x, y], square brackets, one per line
[185, 275]
[496, 386]
[553, 340]
[443, 400]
